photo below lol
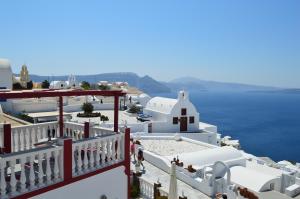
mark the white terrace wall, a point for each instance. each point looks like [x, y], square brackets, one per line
[97, 106]
[32, 105]
[112, 184]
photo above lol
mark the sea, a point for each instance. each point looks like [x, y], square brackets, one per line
[266, 123]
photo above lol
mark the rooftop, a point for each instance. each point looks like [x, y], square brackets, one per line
[168, 147]
[4, 118]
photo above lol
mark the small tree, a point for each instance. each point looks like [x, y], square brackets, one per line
[104, 118]
[104, 87]
[17, 86]
[85, 85]
[87, 108]
[45, 84]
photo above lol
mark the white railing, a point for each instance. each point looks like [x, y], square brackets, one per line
[25, 137]
[146, 188]
[98, 152]
[74, 130]
[101, 131]
[24, 172]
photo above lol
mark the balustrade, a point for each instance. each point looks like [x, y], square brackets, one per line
[146, 188]
[25, 137]
[94, 153]
[28, 171]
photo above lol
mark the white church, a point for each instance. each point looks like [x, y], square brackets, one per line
[172, 115]
[70, 83]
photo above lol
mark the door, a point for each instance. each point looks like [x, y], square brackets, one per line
[183, 124]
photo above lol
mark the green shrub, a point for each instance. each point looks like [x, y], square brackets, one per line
[45, 84]
[25, 117]
[85, 85]
[87, 108]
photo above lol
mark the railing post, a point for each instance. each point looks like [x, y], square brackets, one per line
[86, 130]
[127, 158]
[61, 117]
[68, 155]
[7, 138]
[116, 114]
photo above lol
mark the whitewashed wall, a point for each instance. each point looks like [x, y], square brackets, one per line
[112, 183]
[33, 105]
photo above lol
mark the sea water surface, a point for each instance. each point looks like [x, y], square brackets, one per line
[267, 124]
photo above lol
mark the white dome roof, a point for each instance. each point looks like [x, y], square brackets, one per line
[144, 95]
[4, 64]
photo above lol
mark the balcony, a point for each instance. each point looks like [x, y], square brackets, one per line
[40, 159]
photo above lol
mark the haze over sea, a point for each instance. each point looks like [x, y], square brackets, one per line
[267, 124]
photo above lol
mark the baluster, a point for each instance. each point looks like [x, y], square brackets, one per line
[44, 132]
[97, 155]
[40, 174]
[22, 180]
[31, 173]
[39, 134]
[103, 142]
[92, 158]
[108, 150]
[48, 168]
[28, 141]
[14, 144]
[33, 136]
[79, 160]
[2, 178]
[113, 147]
[85, 159]
[74, 162]
[56, 166]
[13, 181]
[21, 140]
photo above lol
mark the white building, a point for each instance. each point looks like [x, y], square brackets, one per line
[70, 83]
[6, 75]
[58, 85]
[172, 115]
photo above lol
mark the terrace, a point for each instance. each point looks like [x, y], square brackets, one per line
[36, 158]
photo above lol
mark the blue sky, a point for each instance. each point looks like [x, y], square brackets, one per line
[251, 41]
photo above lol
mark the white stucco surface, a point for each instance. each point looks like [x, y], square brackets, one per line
[165, 147]
[6, 75]
[112, 183]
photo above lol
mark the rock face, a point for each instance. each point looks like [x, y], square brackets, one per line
[146, 83]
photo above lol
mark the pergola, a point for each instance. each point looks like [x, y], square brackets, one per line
[65, 93]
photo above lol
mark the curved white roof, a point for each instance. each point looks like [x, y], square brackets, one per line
[4, 64]
[161, 104]
[144, 95]
[252, 179]
[210, 156]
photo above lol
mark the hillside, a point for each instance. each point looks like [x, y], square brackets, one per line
[146, 83]
[191, 83]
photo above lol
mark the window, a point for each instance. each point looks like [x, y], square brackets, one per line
[192, 120]
[175, 120]
[183, 111]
